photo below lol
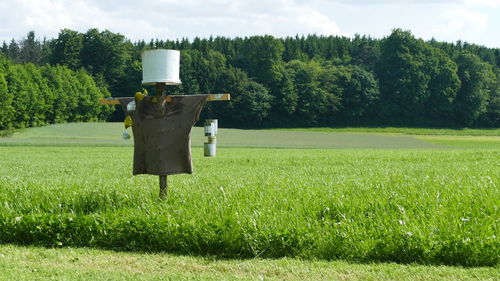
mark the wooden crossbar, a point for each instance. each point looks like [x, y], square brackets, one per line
[211, 97]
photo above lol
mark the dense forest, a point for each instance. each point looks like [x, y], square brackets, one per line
[296, 81]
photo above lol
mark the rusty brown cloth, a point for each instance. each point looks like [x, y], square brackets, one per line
[162, 135]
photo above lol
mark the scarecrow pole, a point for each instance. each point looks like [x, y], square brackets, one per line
[160, 97]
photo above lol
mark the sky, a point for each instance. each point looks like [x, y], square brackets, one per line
[474, 21]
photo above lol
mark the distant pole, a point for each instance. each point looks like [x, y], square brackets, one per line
[160, 97]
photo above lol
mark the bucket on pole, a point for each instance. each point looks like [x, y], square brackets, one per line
[210, 147]
[210, 128]
[211, 132]
[215, 125]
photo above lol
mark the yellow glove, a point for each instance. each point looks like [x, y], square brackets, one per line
[128, 122]
[138, 97]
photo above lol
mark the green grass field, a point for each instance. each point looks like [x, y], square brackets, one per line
[268, 194]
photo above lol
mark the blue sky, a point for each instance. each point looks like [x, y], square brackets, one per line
[475, 21]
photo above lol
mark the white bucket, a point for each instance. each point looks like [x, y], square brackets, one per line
[210, 149]
[210, 128]
[215, 124]
[161, 66]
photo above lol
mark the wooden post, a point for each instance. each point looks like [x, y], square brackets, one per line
[163, 186]
[160, 98]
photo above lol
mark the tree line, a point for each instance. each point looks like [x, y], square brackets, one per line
[38, 95]
[296, 81]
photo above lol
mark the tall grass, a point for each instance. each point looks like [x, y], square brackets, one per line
[424, 206]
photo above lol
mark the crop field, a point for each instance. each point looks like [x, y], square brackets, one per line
[313, 195]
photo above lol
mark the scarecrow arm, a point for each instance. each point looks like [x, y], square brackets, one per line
[211, 97]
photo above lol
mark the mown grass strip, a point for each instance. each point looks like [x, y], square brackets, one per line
[34, 263]
[28, 263]
[107, 134]
[402, 131]
[467, 142]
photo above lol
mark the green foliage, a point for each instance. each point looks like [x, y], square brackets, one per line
[443, 88]
[200, 72]
[66, 49]
[259, 55]
[315, 103]
[27, 50]
[491, 117]
[13, 51]
[64, 105]
[358, 92]
[88, 94]
[6, 98]
[285, 101]
[19, 91]
[398, 80]
[365, 51]
[403, 77]
[252, 105]
[31, 50]
[472, 97]
[33, 96]
[108, 54]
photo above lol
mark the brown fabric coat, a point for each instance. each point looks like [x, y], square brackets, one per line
[162, 138]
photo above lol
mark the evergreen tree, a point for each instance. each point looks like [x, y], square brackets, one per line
[13, 51]
[31, 50]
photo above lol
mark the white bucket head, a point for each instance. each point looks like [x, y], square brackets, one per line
[161, 66]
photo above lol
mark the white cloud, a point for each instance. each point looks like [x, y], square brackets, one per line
[315, 20]
[471, 20]
[164, 18]
[462, 23]
[490, 3]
